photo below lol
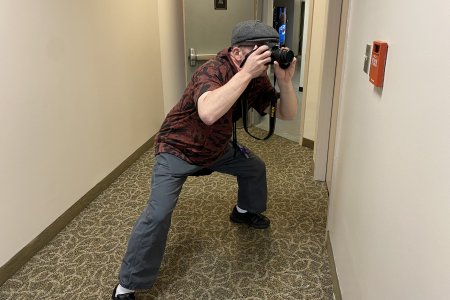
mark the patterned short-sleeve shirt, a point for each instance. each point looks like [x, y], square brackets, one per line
[184, 134]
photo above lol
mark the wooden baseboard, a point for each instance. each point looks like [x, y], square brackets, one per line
[308, 143]
[332, 264]
[24, 255]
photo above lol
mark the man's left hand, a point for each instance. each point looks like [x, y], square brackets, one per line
[285, 74]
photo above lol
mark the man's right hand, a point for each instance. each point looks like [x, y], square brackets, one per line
[257, 62]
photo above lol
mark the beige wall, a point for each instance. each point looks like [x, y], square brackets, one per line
[80, 90]
[389, 203]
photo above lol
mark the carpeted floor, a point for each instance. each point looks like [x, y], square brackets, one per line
[207, 257]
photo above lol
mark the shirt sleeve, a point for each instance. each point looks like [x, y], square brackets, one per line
[206, 78]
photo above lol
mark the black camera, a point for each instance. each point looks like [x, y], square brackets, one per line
[282, 56]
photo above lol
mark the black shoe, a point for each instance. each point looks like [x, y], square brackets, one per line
[258, 221]
[128, 296]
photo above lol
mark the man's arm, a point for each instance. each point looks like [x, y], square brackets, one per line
[212, 105]
[287, 105]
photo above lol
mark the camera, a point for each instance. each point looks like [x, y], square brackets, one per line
[282, 56]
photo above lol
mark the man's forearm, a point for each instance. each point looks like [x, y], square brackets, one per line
[212, 105]
[287, 106]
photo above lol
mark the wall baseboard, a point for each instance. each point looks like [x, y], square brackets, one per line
[24, 255]
[308, 143]
[334, 277]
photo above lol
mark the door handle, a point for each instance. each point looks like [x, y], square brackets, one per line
[194, 57]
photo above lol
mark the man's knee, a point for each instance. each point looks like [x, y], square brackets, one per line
[259, 166]
[158, 212]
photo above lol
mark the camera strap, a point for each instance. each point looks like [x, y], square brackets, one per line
[272, 114]
[272, 118]
[244, 107]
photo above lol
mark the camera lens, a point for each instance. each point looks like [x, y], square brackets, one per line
[283, 57]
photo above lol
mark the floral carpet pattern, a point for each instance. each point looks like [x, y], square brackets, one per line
[207, 256]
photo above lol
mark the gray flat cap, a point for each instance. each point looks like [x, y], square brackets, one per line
[253, 31]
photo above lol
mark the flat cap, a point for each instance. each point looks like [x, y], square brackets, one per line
[253, 31]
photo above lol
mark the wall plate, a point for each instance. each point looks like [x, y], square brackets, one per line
[367, 58]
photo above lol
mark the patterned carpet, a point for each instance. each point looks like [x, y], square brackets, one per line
[207, 257]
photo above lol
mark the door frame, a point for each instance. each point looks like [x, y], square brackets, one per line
[337, 92]
[328, 106]
[306, 68]
[328, 78]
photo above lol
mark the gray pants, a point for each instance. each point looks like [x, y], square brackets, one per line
[148, 238]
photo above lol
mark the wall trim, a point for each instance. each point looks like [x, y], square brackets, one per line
[308, 143]
[336, 288]
[24, 255]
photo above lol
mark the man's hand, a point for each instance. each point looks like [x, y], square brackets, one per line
[257, 61]
[285, 75]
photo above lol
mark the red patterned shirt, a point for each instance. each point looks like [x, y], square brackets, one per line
[184, 134]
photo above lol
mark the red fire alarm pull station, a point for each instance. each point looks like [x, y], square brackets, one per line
[377, 63]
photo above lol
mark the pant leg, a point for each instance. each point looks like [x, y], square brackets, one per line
[147, 242]
[251, 178]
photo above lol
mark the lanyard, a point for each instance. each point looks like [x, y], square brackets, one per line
[244, 106]
[272, 114]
